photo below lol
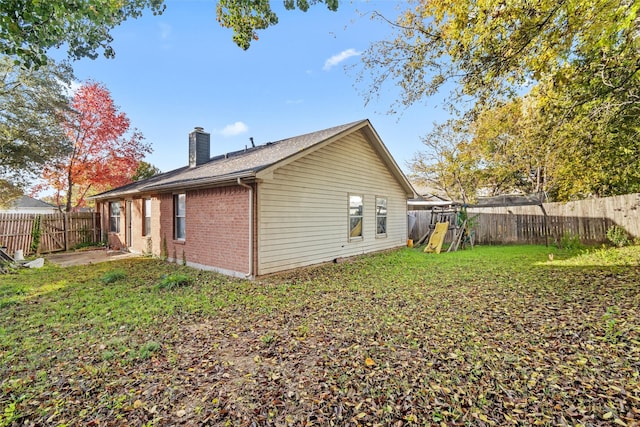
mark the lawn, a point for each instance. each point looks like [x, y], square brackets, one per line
[489, 336]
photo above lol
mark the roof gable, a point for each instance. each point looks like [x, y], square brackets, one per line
[256, 162]
[30, 202]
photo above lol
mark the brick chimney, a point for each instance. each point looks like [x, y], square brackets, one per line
[199, 147]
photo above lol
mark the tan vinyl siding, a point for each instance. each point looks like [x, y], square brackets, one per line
[303, 215]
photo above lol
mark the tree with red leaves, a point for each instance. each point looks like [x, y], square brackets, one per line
[105, 153]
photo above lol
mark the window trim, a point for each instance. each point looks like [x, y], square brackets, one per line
[350, 217]
[146, 217]
[114, 220]
[176, 216]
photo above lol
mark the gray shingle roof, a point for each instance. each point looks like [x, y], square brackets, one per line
[227, 167]
[29, 202]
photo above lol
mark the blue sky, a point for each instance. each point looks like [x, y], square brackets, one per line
[181, 69]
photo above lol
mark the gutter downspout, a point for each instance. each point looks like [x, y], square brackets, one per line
[242, 184]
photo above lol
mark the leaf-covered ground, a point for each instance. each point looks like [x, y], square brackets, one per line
[492, 336]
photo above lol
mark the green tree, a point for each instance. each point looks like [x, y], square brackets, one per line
[492, 49]
[145, 170]
[549, 89]
[448, 162]
[535, 143]
[31, 105]
[511, 142]
[28, 29]
[245, 17]
[105, 149]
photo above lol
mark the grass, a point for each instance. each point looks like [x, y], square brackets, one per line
[113, 276]
[490, 336]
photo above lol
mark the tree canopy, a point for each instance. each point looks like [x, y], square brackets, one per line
[28, 29]
[245, 17]
[145, 170]
[493, 49]
[530, 144]
[31, 105]
[550, 92]
[105, 151]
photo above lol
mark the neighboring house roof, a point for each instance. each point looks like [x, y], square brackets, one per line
[257, 162]
[427, 198]
[504, 200]
[26, 202]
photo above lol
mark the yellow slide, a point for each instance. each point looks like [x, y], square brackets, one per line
[436, 239]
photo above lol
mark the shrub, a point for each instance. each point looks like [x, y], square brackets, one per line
[36, 234]
[618, 236]
[174, 280]
[113, 276]
[570, 241]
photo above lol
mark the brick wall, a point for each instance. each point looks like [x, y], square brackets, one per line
[217, 231]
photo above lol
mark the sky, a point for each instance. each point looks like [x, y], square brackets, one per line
[181, 69]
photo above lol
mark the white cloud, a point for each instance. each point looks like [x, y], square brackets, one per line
[165, 30]
[342, 56]
[293, 101]
[234, 129]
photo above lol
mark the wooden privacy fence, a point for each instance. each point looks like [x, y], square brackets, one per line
[589, 219]
[43, 233]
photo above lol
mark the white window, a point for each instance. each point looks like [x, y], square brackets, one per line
[147, 217]
[356, 209]
[114, 217]
[180, 209]
[381, 216]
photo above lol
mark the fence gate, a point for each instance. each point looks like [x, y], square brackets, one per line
[52, 233]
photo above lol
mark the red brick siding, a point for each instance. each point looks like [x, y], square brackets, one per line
[217, 231]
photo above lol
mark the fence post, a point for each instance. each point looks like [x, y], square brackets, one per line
[94, 225]
[66, 231]
[545, 228]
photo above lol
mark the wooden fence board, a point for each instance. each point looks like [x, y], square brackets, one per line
[58, 231]
[15, 231]
[589, 219]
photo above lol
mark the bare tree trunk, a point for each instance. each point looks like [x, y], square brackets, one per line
[69, 190]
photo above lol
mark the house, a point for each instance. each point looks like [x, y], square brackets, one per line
[26, 204]
[300, 201]
[427, 198]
